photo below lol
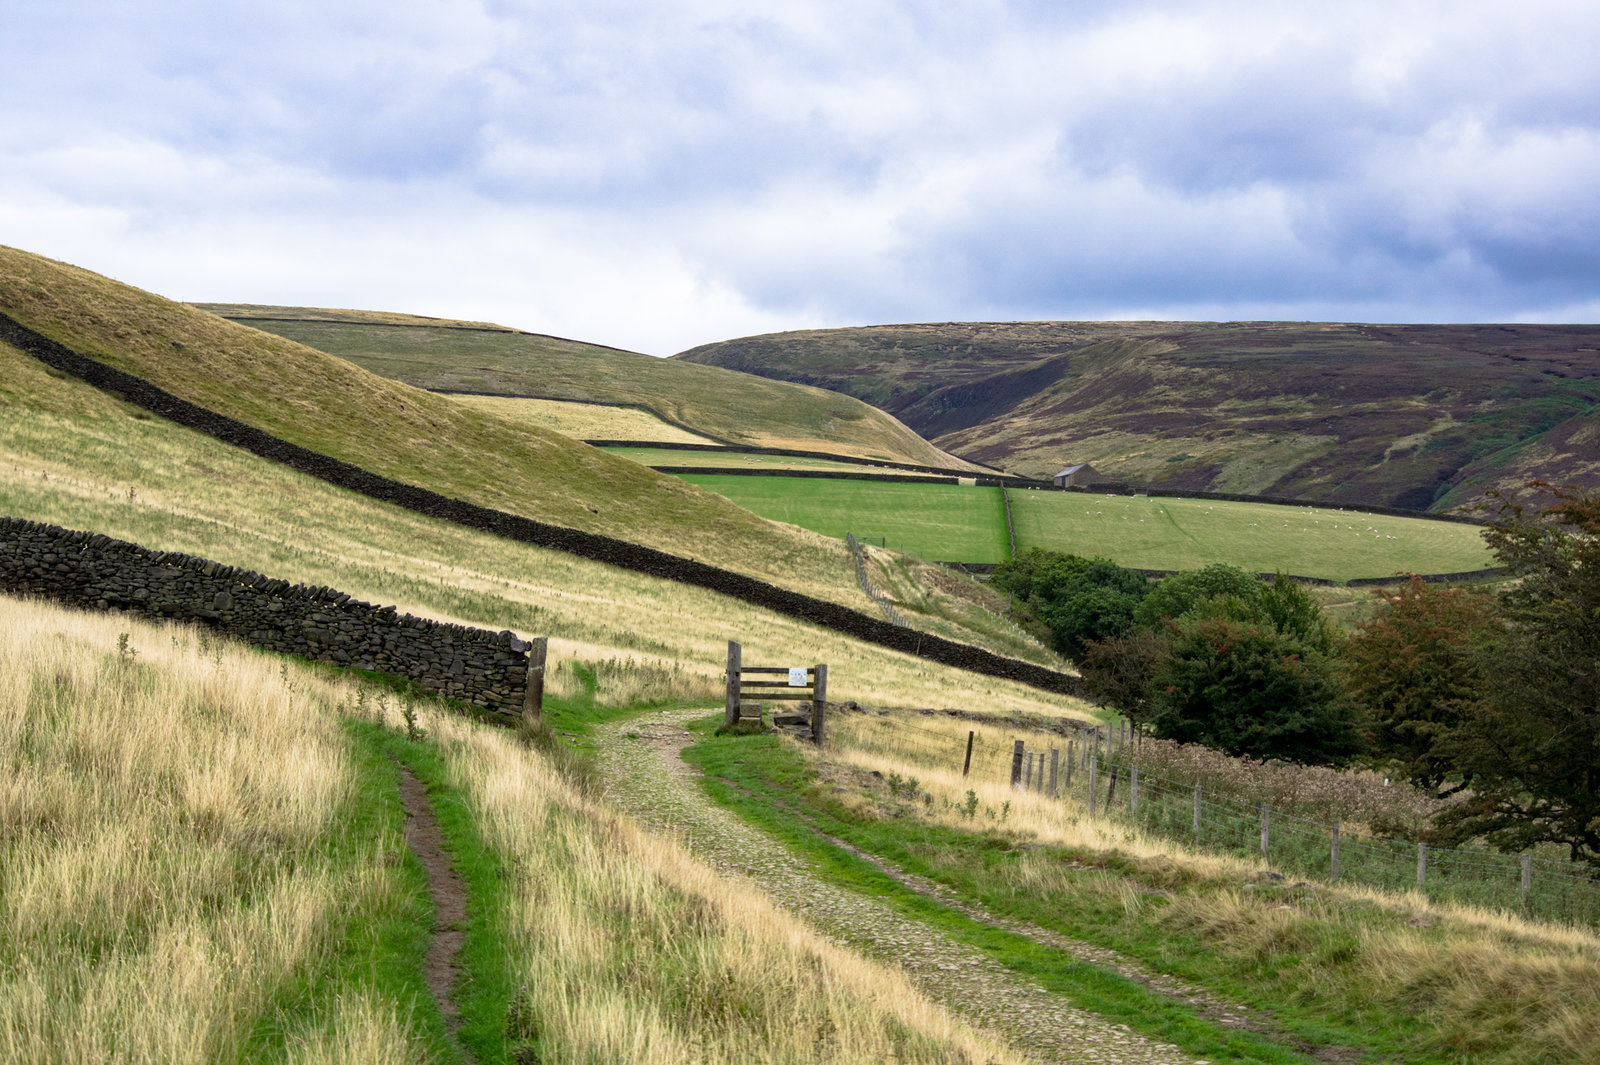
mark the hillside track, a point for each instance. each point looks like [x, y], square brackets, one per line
[646, 776]
[426, 840]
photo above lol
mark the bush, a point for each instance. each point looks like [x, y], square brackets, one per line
[1247, 689]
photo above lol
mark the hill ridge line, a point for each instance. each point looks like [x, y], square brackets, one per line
[594, 546]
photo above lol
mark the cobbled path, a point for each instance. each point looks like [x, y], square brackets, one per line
[647, 777]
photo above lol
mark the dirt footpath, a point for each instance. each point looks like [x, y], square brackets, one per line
[647, 777]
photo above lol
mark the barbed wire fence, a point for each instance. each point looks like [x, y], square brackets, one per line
[1098, 768]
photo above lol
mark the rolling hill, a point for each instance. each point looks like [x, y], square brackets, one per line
[1423, 417]
[477, 357]
[335, 408]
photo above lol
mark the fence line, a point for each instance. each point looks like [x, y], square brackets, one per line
[1098, 768]
[889, 612]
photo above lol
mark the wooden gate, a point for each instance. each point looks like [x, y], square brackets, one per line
[774, 684]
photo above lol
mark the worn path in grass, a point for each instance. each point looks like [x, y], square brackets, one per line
[646, 776]
[426, 839]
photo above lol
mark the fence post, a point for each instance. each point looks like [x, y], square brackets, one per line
[1264, 815]
[1422, 865]
[1197, 815]
[1055, 758]
[1027, 772]
[533, 697]
[1333, 870]
[1111, 792]
[1133, 791]
[819, 703]
[1527, 879]
[1072, 754]
[730, 716]
[1094, 773]
[1016, 763]
[966, 765]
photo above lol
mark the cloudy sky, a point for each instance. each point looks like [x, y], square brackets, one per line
[658, 175]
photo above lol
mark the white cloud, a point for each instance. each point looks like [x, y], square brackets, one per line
[658, 175]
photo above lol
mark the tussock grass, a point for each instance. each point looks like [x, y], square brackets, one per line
[635, 952]
[1472, 984]
[174, 857]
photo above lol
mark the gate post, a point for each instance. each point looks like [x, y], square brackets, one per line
[731, 716]
[819, 703]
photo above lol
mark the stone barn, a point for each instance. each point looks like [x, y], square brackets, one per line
[1077, 476]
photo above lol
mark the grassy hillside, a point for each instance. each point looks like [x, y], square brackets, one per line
[584, 421]
[73, 456]
[204, 863]
[1409, 416]
[726, 406]
[339, 409]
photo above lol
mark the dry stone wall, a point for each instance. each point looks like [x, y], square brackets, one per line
[92, 571]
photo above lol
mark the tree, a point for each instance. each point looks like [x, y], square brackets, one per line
[1096, 604]
[1247, 689]
[1416, 668]
[1119, 671]
[1532, 742]
[1179, 594]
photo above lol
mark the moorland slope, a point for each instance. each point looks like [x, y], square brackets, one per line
[1415, 416]
[478, 357]
[335, 408]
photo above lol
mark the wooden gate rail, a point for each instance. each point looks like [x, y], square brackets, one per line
[744, 697]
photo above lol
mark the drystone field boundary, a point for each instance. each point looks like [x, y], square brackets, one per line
[95, 572]
[594, 546]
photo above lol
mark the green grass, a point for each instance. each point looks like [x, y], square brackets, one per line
[720, 403]
[1168, 533]
[1373, 980]
[939, 522]
[740, 460]
[766, 781]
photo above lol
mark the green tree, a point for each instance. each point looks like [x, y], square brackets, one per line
[1531, 744]
[1181, 593]
[1119, 671]
[1416, 668]
[1247, 689]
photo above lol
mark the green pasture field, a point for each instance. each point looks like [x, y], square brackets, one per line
[653, 456]
[1167, 533]
[939, 522]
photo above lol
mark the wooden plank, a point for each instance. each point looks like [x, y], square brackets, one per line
[773, 684]
[772, 669]
[794, 694]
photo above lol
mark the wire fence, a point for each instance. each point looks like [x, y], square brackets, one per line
[889, 612]
[1099, 769]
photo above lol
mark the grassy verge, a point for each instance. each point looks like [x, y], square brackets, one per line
[1350, 970]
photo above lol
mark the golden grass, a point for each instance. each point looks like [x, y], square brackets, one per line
[1475, 974]
[95, 464]
[635, 952]
[584, 421]
[164, 822]
[336, 408]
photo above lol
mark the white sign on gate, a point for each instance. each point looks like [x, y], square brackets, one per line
[797, 676]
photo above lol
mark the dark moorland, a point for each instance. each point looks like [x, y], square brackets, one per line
[1419, 416]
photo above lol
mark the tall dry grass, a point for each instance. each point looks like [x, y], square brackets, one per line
[1493, 986]
[167, 867]
[637, 953]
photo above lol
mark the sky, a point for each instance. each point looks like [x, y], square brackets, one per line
[660, 175]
